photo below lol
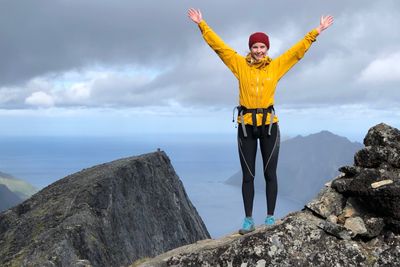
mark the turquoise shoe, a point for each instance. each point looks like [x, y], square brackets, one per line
[248, 226]
[269, 220]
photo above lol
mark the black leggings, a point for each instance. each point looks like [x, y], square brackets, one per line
[247, 152]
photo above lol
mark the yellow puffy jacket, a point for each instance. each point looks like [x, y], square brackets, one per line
[257, 81]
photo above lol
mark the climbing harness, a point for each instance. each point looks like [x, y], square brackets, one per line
[242, 110]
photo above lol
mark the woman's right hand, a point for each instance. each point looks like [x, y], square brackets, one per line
[195, 15]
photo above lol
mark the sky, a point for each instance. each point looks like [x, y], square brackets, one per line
[118, 68]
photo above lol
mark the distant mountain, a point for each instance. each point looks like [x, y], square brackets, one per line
[5, 175]
[19, 187]
[8, 199]
[306, 164]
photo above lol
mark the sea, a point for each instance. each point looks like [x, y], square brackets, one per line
[202, 161]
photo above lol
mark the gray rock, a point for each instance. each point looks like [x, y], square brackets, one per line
[354, 208]
[390, 253]
[371, 157]
[382, 135]
[385, 141]
[383, 201]
[393, 156]
[374, 227]
[356, 225]
[349, 210]
[336, 230]
[350, 171]
[328, 202]
[359, 185]
[107, 215]
[332, 219]
[297, 241]
[374, 156]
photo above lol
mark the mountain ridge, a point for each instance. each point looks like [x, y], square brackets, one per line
[102, 216]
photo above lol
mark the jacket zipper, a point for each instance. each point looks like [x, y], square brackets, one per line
[257, 99]
[257, 90]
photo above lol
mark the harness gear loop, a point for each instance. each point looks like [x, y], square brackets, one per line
[242, 123]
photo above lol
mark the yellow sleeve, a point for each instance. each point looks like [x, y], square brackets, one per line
[226, 53]
[288, 59]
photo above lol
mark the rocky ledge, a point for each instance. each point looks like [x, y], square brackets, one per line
[108, 215]
[354, 221]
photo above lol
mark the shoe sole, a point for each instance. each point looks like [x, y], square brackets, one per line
[243, 232]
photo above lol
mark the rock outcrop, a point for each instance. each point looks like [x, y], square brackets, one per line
[374, 180]
[354, 221]
[108, 215]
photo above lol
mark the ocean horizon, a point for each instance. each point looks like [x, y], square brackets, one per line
[202, 162]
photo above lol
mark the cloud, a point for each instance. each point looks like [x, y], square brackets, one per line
[39, 37]
[78, 92]
[40, 99]
[381, 70]
[96, 54]
[8, 94]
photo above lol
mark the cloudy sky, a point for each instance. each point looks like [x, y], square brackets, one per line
[122, 67]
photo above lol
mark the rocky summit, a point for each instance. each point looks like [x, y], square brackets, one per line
[354, 221]
[108, 215]
[374, 180]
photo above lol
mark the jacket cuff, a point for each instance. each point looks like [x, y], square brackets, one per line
[202, 24]
[314, 33]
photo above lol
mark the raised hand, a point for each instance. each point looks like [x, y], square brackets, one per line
[325, 22]
[195, 15]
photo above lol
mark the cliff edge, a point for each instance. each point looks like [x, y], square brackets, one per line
[108, 215]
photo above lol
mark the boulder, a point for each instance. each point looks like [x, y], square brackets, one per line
[382, 135]
[328, 202]
[356, 225]
[375, 179]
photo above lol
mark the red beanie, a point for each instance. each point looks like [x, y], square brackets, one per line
[259, 37]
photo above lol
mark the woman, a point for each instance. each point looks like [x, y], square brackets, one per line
[258, 76]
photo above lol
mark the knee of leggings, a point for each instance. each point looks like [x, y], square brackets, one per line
[270, 176]
[248, 179]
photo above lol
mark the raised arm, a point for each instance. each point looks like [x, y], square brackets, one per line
[226, 53]
[288, 59]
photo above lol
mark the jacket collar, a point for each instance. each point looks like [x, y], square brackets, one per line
[258, 63]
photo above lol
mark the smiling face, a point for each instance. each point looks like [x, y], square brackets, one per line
[258, 50]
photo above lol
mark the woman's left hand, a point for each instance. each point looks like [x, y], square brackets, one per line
[325, 22]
